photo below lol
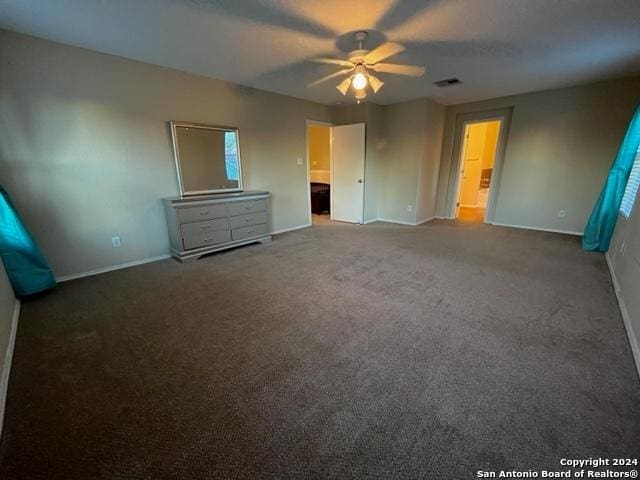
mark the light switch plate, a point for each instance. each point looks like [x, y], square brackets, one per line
[299, 161]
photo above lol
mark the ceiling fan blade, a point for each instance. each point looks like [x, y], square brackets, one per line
[383, 51]
[329, 77]
[344, 85]
[409, 70]
[375, 83]
[333, 61]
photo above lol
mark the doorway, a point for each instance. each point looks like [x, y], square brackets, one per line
[484, 201]
[335, 163]
[319, 162]
[477, 160]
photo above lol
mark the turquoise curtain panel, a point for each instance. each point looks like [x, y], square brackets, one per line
[599, 229]
[26, 266]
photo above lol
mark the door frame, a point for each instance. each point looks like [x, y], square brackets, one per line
[461, 122]
[308, 163]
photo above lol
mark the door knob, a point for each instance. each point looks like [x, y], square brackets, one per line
[359, 180]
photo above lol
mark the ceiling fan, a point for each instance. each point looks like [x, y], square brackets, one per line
[360, 62]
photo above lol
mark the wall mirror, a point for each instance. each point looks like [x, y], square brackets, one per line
[207, 158]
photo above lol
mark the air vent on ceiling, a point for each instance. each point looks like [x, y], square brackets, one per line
[448, 82]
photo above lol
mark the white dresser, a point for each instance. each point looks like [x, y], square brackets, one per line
[203, 224]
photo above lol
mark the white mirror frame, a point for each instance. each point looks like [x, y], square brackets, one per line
[176, 156]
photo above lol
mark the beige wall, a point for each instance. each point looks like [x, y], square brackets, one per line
[8, 304]
[559, 150]
[405, 126]
[403, 150]
[411, 154]
[86, 151]
[319, 138]
[624, 262]
[430, 161]
[7, 307]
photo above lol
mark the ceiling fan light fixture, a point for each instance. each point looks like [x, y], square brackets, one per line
[362, 61]
[375, 83]
[359, 81]
[343, 86]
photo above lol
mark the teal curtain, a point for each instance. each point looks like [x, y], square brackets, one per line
[599, 229]
[26, 267]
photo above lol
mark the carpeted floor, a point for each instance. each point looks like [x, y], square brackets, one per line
[338, 351]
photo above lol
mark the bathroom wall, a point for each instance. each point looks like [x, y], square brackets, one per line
[319, 138]
[473, 154]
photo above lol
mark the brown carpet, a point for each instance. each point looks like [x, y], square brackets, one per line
[338, 351]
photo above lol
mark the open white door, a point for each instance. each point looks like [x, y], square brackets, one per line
[347, 171]
[463, 155]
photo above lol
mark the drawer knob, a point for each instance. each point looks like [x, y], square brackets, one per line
[204, 212]
[248, 207]
[205, 227]
[250, 231]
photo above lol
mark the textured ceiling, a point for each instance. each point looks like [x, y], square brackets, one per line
[495, 47]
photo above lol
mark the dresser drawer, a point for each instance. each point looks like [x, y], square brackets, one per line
[250, 219]
[201, 212]
[242, 208]
[248, 232]
[205, 239]
[195, 228]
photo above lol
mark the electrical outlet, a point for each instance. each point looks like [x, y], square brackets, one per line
[409, 208]
[561, 213]
[299, 161]
[115, 242]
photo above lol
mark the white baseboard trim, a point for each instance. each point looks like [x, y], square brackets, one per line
[97, 271]
[285, 230]
[526, 227]
[633, 339]
[8, 357]
[400, 222]
[425, 220]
